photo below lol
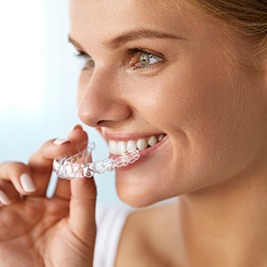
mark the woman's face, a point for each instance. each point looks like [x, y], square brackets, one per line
[158, 71]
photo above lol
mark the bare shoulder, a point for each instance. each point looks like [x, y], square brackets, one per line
[145, 240]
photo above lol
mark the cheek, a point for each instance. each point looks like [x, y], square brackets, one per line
[181, 100]
[201, 111]
[208, 119]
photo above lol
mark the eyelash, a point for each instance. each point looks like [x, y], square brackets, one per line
[86, 59]
[135, 61]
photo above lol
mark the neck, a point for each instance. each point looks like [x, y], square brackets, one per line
[226, 225]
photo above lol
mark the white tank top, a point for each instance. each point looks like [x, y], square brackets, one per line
[110, 221]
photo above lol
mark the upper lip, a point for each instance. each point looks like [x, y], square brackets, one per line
[128, 136]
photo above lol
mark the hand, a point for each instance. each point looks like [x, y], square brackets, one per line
[37, 231]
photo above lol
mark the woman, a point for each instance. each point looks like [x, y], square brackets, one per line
[190, 79]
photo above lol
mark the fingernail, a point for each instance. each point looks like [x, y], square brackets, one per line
[60, 141]
[4, 198]
[27, 183]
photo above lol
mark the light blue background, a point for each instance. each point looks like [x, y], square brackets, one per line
[34, 47]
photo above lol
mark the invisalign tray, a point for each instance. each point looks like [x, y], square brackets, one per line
[79, 165]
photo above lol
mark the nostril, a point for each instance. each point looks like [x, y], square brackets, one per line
[101, 122]
[105, 123]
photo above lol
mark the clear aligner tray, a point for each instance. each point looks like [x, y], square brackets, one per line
[79, 165]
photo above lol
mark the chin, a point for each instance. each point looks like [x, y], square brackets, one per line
[134, 192]
[138, 196]
[136, 201]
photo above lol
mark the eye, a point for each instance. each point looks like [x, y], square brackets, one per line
[87, 61]
[142, 59]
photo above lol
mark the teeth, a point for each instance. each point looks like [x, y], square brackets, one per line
[122, 147]
[141, 144]
[113, 147]
[161, 137]
[152, 140]
[131, 145]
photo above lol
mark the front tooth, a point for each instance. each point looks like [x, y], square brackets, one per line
[113, 149]
[131, 145]
[141, 144]
[122, 147]
[152, 140]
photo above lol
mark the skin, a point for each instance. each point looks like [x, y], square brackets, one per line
[213, 156]
[37, 231]
[212, 103]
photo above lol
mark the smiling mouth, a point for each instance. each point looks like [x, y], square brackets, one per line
[121, 147]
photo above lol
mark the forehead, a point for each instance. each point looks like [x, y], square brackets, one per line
[107, 18]
[119, 9]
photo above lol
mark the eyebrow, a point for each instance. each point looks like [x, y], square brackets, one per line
[139, 34]
[131, 36]
[75, 43]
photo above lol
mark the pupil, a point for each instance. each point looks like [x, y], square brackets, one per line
[144, 59]
[91, 63]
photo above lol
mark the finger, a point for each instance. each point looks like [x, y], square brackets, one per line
[57, 148]
[63, 185]
[41, 162]
[8, 193]
[40, 166]
[19, 175]
[79, 139]
[82, 210]
[4, 199]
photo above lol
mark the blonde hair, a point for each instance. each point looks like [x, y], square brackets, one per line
[248, 18]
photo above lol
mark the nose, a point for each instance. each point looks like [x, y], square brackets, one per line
[100, 99]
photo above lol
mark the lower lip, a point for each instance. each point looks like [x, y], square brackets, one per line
[145, 153]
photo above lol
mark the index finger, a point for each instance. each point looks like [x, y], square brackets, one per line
[41, 161]
[55, 148]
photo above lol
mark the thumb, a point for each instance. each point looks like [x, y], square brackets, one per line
[82, 210]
